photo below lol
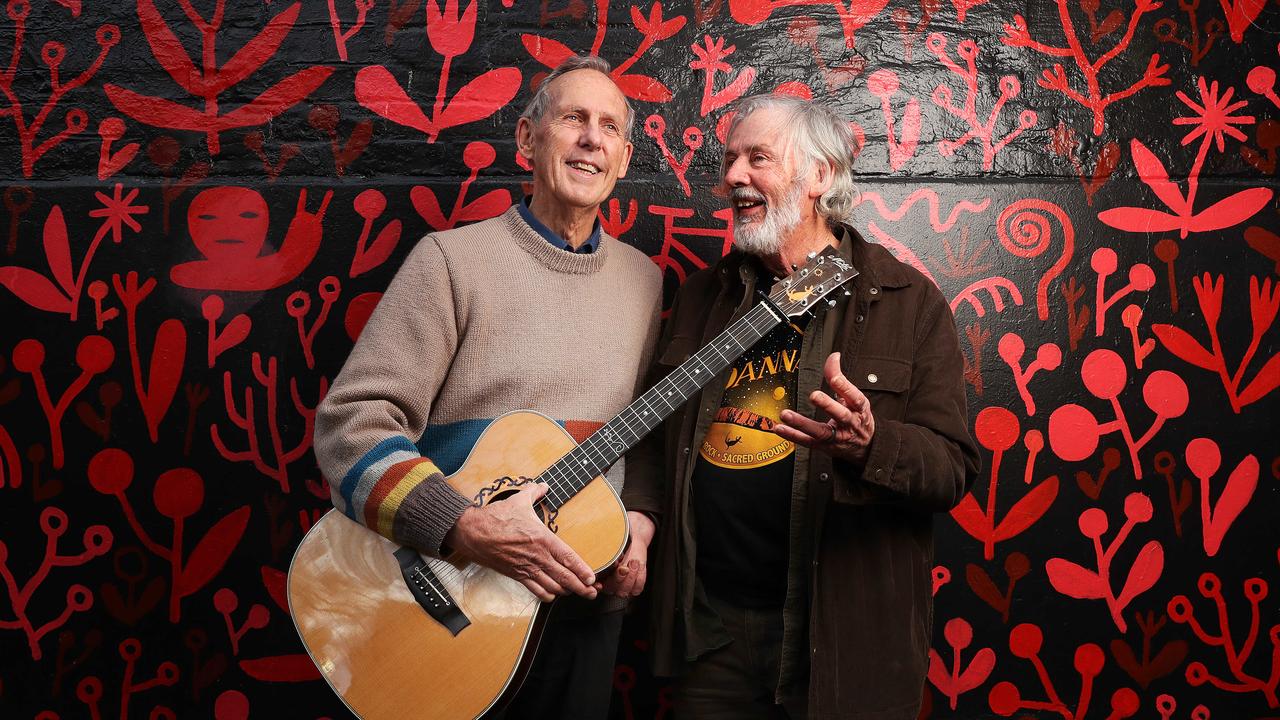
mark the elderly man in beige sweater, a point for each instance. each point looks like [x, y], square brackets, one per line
[536, 309]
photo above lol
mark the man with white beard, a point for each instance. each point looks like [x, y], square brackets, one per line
[794, 498]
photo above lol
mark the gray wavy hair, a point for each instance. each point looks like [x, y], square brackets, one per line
[538, 105]
[820, 136]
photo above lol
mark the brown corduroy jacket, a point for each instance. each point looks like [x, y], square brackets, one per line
[858, 613]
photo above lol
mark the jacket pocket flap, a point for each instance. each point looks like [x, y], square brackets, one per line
[883, 374]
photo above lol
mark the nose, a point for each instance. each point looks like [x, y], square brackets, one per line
[590, 136]
[735, 173]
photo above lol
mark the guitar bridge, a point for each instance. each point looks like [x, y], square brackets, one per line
[429, 591]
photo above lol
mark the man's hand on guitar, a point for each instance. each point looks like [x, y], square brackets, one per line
[848, 433]
[629, 574]
[509, 537]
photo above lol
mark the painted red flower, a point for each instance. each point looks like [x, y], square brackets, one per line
[118, 210]
[1213, 118]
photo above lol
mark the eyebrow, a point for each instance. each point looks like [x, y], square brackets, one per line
[758, 147]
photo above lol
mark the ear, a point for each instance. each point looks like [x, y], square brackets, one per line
[524, 138]
[626, 159]
[821, 177]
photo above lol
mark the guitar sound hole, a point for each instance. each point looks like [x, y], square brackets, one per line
[497, 497]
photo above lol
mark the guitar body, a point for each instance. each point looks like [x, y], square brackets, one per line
[375, 644]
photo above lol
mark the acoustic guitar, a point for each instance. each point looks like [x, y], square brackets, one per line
[397, 634]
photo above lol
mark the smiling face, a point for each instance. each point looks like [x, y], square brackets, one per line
[578, 148]
[769, 191]
[228, 224]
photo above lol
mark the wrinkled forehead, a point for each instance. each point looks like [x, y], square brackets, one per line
[767, 129]
[590, 89]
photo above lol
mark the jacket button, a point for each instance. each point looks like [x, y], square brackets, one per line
[686, 451]
[860, 318]
[879, 472]
[874, 291]
[873, 378]
[822, 477]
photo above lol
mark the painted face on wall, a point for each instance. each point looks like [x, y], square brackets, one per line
[579, 148]
[766, 191]
[228, 224]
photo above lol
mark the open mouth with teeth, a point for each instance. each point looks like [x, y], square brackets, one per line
[584, 167]
[748, 206]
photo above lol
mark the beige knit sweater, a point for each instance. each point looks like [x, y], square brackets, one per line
[479, 321]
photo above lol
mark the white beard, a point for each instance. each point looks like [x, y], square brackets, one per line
[765, 237]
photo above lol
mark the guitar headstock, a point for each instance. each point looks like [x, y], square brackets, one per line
[811, 283]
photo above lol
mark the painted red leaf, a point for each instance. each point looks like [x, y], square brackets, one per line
[424, 201]
[211, 552]
[276, 99]
[1029, 508]
[1233, 500]
[168, 49]
[1265, 242]
[167, 360]
[1153, 173]
[983, 587]
[155, 111]
[255, 52]
[276, 583]
[654, 25]
[378, 90]
[1074, 581]
[1231, 211]
[233, 334]
[1141, 220]
[643, 88]
[491, 204]
[938, 674]
[58, 250]
[1181, 343]
[984, 661]
[1145, 572]
[34, 289]
[1267, 379]
[480, 98]
[970, 518]
[545, 50]
[1240, 15]
[1168, 659]
[281, 668]
[377, 253]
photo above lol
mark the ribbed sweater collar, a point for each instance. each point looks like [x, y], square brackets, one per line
[552, 257]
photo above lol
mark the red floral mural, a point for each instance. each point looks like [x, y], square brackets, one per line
[1092, 185]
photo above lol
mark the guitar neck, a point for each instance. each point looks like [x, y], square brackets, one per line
[590, 459]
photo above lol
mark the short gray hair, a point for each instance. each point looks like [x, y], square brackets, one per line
[820, 136]
[538, 105]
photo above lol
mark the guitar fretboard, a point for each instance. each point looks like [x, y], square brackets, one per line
[579, 466]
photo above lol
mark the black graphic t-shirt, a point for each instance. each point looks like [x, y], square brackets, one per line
[742, 477]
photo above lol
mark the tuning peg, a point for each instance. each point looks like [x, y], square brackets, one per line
[847, 293]
[831, 303]
[812, 255]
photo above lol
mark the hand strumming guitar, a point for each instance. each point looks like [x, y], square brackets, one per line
[508, 536]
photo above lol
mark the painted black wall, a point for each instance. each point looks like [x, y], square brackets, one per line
[1128, 252]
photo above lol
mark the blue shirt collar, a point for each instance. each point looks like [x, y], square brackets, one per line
[590, 246]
